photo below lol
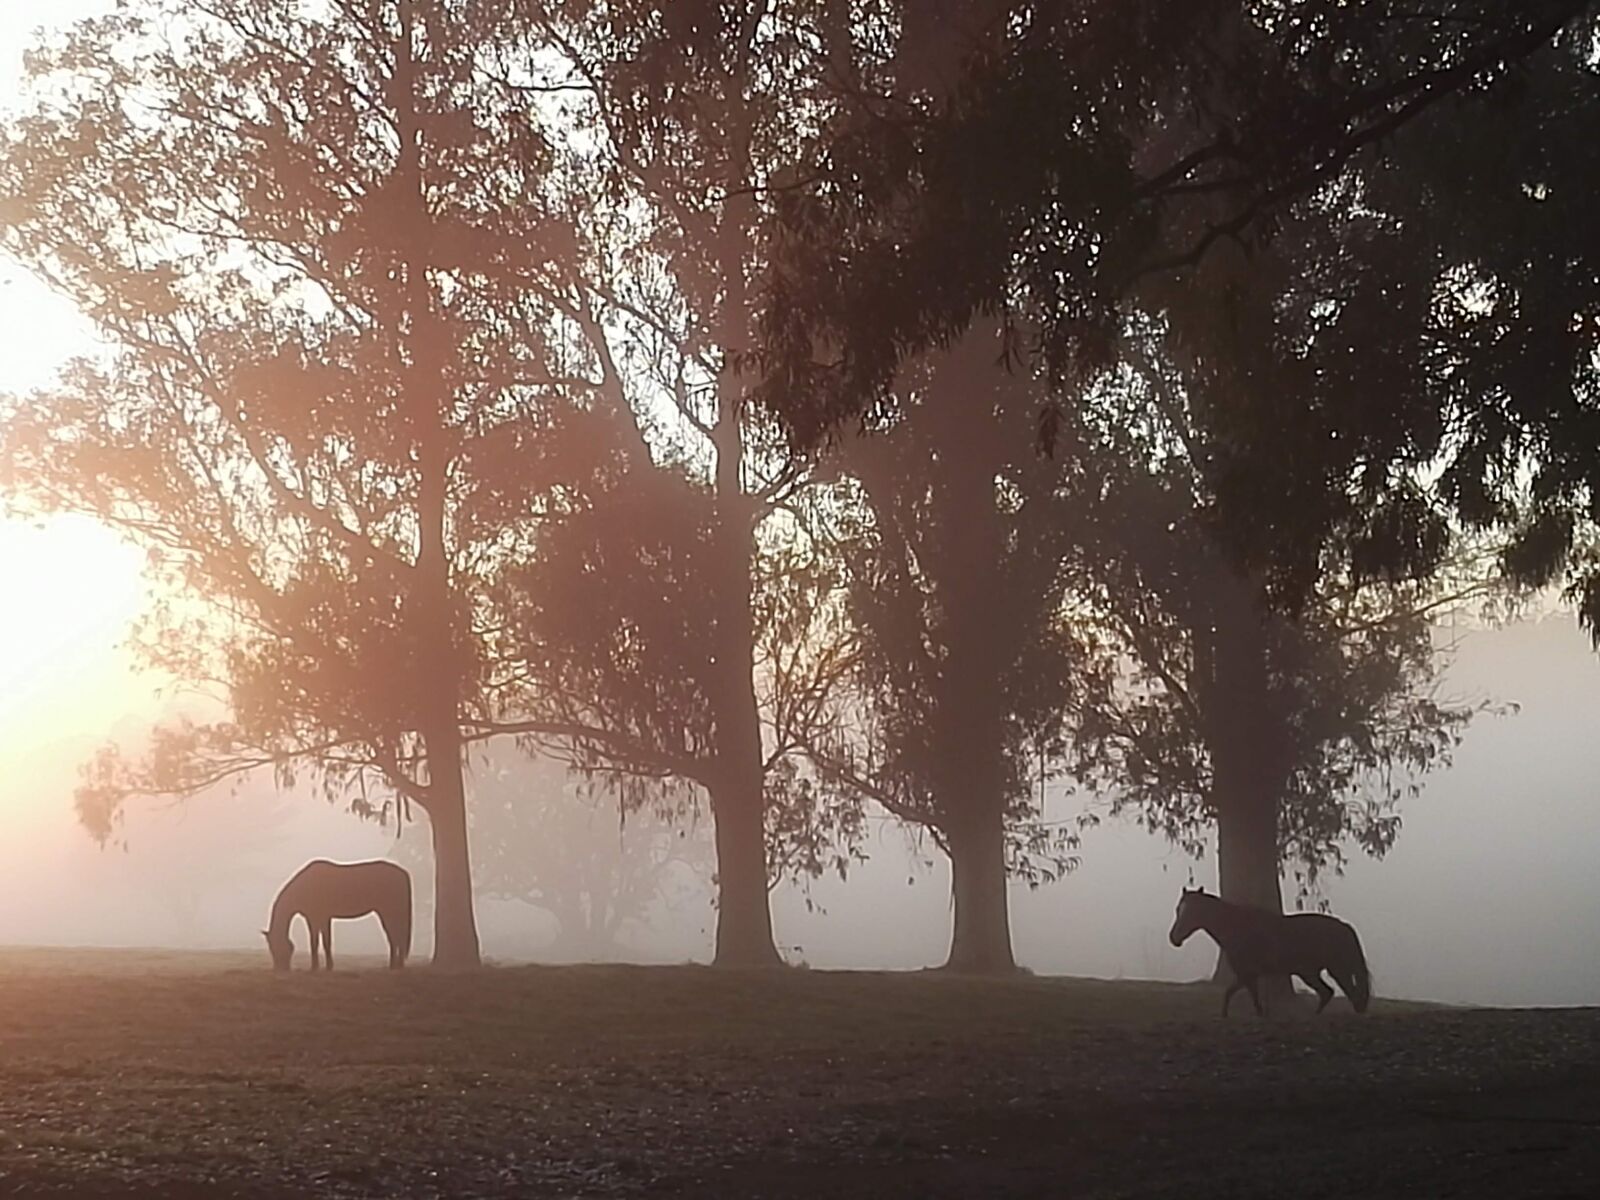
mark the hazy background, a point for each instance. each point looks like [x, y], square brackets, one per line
[1492, 894]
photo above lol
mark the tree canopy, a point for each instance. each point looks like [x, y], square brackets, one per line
[481, 372]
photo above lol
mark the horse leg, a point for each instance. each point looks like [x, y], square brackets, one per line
[1253, 982]
[311, 928]
[394, 947]
[1319, 985]
[327, 942]
[1227, 996]
[1346, 983]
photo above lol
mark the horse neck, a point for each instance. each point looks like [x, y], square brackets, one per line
[1217, 916]
[284, 910]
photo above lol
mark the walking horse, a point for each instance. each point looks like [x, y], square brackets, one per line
[1257, 943]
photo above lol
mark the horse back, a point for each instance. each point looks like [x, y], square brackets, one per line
[1319, 940]
[1269, 943]
[344, 890]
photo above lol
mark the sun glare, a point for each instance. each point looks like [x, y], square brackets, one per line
[68, 592]
[68, 586]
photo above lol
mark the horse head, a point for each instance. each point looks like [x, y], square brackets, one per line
[281, 947]
[1188, 916]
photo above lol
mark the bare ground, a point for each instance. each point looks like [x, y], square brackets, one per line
[129, 1075]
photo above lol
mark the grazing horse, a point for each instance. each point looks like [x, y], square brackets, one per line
[1257, 943]
[323, 891]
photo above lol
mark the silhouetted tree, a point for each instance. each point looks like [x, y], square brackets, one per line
[955, 537]
[1294, 703]
[1082, 147]
[1287, 736]
[1157, 140]
[299, 232]
[1291, 718]
[667, 624]
[1492, 289]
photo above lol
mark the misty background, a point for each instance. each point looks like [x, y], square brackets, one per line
[1490, 895]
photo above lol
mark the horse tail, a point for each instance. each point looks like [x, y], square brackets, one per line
[1363, 982]
[1360, 976]
[405, 921]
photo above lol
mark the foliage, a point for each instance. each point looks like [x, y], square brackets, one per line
[1513, 317]
[1153, 136]
[1350, 719]
[612, 626]
[957, 544]
[223, 194]
[665, 624]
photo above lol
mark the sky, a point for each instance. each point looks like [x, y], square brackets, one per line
[1491, 896]
[37, 328]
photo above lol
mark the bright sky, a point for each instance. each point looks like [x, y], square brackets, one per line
[68, 587]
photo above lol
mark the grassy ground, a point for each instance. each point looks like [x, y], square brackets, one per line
[161, 1075]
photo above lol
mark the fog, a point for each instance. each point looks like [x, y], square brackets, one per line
[1490, 896]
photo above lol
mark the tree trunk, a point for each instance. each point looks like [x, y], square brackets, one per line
[966, 555]
[1249, 766]
[1247, 851]
[1247, 867]
[455, 926]
[744, 918]
[980, 941]
[455, 930]
[738, 799]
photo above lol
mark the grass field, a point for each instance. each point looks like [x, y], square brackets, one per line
[127, 1074]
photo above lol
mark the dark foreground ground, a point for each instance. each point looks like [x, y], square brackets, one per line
[129, 1075]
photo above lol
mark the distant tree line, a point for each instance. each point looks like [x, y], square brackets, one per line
[788, 410]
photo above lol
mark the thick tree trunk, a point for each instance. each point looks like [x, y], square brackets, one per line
[976, 632]
[744, 917]
[1247, 851]
[1247, 863]
[738, 800]
[1248, 763]
[455, 926]
[455, 931]
[980, 940]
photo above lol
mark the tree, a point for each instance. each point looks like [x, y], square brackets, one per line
[613, 628]
[665, 623]
[955, 538]
[1290, 716]
[294, 230]
[1148, 158]
[1498, 433]
[1286, 736]
[1154, 136]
